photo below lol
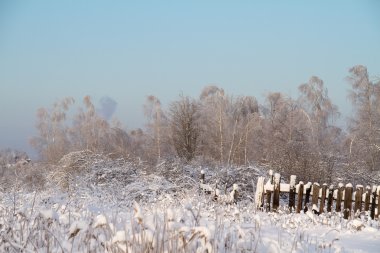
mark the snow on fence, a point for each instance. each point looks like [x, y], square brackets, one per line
[354, 202]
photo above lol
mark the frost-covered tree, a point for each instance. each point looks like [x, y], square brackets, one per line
[59, 134]
[53, 141]
[137, 144]
[321, 113]
[295, 133]
[284, 133]
[89, 129]
[213, 107]
[243, 111]
[364, 128]
[156, 118]
[184, 126]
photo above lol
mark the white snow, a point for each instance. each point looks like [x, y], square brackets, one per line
[182, 220]
[285, 187]
[277, 178]
[293, 179]
[49, 214]
[100, 221]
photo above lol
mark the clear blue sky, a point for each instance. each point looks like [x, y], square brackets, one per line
[127, 50]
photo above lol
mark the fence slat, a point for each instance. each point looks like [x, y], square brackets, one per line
[292, 192]
[202, 177]
[276, 192]
[315, 197]
[347, 201]
[259, 195]
[367, 198]
[373, 203]
[330, 198]
[323, 198]
[358, 198]
[378, 200]
[300, 197]
[307, 197]
[268, 200]
[339, 198]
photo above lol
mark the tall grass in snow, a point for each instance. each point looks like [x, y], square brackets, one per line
[189, 224]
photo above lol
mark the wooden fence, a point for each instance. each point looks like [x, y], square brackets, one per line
[323, 198]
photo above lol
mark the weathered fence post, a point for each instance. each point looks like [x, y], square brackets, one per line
[300, 197]
[276, 191]
[347, 201]
[315, 197]
[367, 198]
[259, 196]
[268, 200]
[378, 204]
[269, 192]
[373, 203]
[330, 198]
[235, 192]
[323, 198]
[358, 198]
[307, 197]
[292, 192]
[339, 198]
[202, 176]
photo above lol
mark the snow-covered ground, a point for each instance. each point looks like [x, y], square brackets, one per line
[121, 208]
[40, 222]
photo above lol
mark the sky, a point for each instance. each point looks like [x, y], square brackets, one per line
[120, 52]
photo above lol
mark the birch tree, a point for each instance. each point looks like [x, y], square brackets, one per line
[243, 110]
[214, 103]
[364, 126]
[321, 114]
[155, 115]
[52, 141]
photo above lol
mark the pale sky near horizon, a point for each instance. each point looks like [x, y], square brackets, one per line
[127, 50]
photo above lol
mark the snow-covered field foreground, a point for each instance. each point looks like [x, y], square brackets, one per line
[89, 203]
[36, 222]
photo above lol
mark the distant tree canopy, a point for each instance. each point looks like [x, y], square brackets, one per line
[85, 129]
[292, 135]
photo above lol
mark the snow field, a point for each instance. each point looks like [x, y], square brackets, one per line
[191, 223]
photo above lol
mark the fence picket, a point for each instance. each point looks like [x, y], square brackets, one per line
[358, 198]
[378, 202]
[315, 197]
[307, 197]
[347, 201]
[323, 198]
[292, 192]
[330, 198]
[367, 198]
[339, 198]
[276, 191]
[300, 197]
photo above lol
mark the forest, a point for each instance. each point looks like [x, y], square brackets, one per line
[296, 136]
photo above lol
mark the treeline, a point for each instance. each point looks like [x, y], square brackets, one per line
[292, 135]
